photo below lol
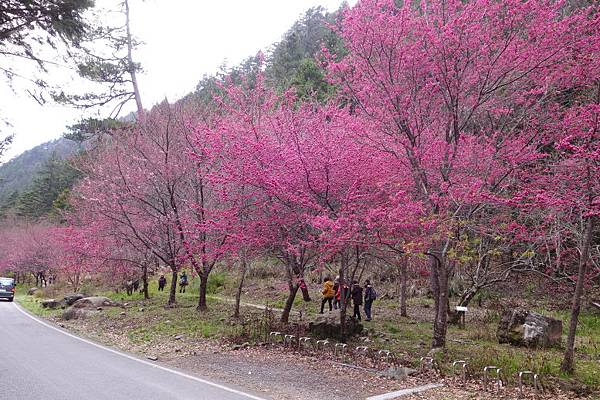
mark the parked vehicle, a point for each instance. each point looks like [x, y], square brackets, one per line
[7, 288]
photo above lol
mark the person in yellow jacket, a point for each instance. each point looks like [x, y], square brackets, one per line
[328, 294]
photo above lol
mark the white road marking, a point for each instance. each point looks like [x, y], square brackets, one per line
[405, 392]
[216, 385]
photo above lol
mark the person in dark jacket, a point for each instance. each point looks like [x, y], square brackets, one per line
[183, 282]
[370, 296]
[357, 295]
[162, 282]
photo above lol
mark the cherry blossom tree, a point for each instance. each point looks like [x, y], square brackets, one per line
[452, 90]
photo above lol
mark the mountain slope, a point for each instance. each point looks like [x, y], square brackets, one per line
[18, 173]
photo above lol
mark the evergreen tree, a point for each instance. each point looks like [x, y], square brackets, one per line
[46, 189]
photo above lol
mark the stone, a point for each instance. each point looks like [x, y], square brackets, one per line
[76, 313]
[178, 337]
[50, 303]
[70, 299]
[95, 302]
[32, 291]
[529, 329]
[326, 326]
[152, 358]
[123, 313]
[99, 308]
[398, 373]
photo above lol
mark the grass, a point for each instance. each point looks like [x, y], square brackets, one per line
[33, 304]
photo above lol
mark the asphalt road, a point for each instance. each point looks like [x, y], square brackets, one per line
[39, 361]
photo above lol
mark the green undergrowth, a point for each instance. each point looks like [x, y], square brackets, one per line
[33, 304]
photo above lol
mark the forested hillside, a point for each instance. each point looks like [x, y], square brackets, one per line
[19, 173]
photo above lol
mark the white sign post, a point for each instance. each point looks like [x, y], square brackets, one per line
[462, 311]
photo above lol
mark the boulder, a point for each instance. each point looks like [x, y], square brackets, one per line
[70, 299]
[76, 313]
[327, 326]
[526, 328]
[50, 303]
[398, 373]
[95, 302]
[32, 291]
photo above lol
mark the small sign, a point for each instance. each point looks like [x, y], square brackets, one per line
[460, 308]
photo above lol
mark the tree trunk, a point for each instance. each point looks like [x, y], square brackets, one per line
[202, 293]
[131, 66]
[305, 293]
[238, 295]
[567, 364]
[145, 281]
[173, 289]
[285, 316]
[343, 264]
[439, 286]
[403, 279]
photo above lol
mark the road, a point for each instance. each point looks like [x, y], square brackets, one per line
[40, 361]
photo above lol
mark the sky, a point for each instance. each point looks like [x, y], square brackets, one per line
[181, 41]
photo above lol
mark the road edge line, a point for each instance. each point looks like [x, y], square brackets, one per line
[405, 392]
[119, 353]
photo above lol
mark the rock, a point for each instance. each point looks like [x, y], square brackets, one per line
[525, 328]
[327, 326]
[434, 352]
[76, 313]
[152, 357]
[236, 347]
[70, 299]
[95, 302]
[32, 291]
[398, 373]
[141, 309]
[177, 350]
[123, 313]
[99, 308]
[178, 337]
[50, 303]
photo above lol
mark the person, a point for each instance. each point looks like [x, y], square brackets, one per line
[370, 296]
[129, 287]
[183, 282]
[357, 295]
[343, 291]
[336, 287]
[328, 294]
[162, 282]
